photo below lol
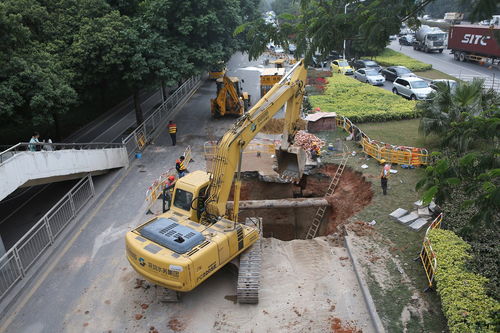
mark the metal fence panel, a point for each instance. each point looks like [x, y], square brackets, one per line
[60, 217]
[22, 256]
[34, 245]
[10, 273]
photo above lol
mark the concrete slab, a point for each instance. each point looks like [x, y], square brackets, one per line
[432, 206]
[398, 213]
[408, 218]
[418, 224]
[424, 212]
[418, 204]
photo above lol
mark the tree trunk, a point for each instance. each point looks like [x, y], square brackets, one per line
[57, 126]
[164, 91]
[137, 105]
[280, 203]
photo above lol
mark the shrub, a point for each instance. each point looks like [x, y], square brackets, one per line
[392, 58]
[463, 295]
[361, 102]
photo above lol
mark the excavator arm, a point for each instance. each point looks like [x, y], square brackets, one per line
[290, 91]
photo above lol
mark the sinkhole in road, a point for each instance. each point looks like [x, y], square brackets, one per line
[352, 194]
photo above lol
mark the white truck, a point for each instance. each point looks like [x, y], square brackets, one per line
[429, 39]
[453, 18]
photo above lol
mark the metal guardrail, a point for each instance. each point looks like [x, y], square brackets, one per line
[427, 255]
[15, 263]
[384, 151]
[145, 132]
[44, 146]
[490, 82]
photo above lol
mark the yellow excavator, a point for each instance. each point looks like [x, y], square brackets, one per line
[230, 99]
[184, 246]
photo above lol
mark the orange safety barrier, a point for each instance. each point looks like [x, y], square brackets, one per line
[384, 151]
[156, 189]
[427, 255]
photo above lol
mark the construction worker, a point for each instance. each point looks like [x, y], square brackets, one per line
[384, 176]
[168, 188]
[315, 152]
[172, 130]
[180, 166]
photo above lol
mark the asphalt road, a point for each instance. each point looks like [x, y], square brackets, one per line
[445, 63]
[74, 293]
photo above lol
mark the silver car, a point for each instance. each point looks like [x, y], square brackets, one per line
[412, 88]
[371, 76]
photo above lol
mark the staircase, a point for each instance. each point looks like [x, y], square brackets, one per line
[320, 213]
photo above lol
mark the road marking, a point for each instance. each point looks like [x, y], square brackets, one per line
[53, 264]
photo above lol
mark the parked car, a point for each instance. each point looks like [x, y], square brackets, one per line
[437, 84]
[365, 63]
[341, 66]
[406, 40]
[392, 72]
[412, 88]
[368, 75]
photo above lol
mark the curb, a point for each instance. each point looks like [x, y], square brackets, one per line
[377, 323]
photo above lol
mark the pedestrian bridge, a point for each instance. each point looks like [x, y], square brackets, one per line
[20, 167]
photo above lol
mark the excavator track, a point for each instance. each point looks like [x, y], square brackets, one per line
[249, 272]
[167, 295]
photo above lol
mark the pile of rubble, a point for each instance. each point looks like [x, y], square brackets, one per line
[417, 218]
[307, 140]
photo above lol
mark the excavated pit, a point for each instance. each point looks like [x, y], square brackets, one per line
[351, 195]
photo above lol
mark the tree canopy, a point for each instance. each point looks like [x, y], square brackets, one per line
[57, 56]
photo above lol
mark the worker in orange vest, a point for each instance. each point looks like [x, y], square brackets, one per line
[180, 166]
[168, 188]
[172, 130]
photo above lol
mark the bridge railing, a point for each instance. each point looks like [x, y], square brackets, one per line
[44, 146]
[18, 260]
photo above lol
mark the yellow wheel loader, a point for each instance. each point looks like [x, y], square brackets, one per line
[183, 247]
[230, 99]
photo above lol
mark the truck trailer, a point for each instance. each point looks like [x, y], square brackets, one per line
[429, 39]
[474, 43]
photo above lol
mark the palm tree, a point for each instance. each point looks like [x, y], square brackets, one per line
[447, 110]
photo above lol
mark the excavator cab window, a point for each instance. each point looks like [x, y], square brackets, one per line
[183, 199]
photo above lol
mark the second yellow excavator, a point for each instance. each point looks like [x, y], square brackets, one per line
[186, 245]
[230, 100]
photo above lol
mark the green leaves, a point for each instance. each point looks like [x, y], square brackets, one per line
[349, 97]
[463, 295]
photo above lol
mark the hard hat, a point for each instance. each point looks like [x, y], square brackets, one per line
[171, 178]
[382, 161]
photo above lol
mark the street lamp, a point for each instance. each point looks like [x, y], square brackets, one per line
[345, 13]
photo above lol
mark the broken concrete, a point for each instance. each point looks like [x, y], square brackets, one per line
[418, 224]
[408, 218]
[398, 213]
[280, 203]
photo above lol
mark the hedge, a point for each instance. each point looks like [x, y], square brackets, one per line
[463, 294]
[361, 102]
[392, 58]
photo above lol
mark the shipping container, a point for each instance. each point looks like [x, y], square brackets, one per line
[474, 43]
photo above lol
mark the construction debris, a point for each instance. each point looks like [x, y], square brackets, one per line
[307, 140]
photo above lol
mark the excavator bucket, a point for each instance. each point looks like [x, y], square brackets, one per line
[291, 162]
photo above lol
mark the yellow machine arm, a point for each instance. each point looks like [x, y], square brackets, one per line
[227, 88]
[290, 91]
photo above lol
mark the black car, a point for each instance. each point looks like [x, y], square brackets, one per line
[365, 63]
[406, 40]
[392, 72]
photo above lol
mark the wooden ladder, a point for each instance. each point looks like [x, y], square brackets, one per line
[320, 213]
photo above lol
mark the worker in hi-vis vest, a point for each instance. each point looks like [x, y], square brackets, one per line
[172, 130]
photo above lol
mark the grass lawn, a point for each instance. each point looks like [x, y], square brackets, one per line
[434, 74]
[390, 57]
[400, 132]
[401, 244]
